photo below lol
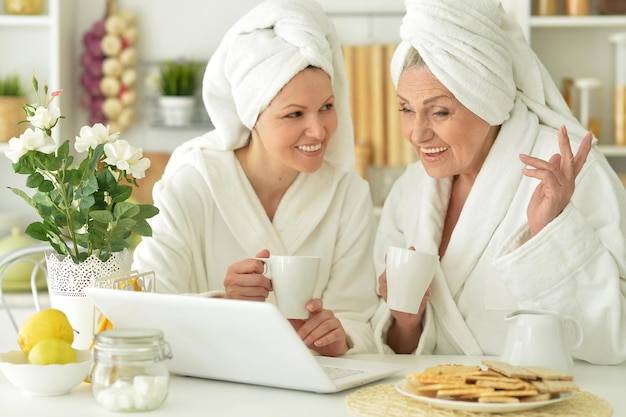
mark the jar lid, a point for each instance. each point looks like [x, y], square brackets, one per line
[138, 342]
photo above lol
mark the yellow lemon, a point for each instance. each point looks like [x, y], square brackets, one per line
[51, 351]
[45, 324]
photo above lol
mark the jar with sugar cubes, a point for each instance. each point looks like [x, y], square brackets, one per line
[129, 371]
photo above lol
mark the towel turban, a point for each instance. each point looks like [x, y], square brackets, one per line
[261, 53]
[479, 53]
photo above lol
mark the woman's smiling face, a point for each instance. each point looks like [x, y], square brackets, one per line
[295, 129]
[449, 139]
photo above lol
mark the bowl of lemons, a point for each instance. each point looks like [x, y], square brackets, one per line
[46, 364]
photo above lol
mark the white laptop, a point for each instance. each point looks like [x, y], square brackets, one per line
[240, 341]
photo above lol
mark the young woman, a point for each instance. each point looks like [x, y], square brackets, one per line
[276, 176]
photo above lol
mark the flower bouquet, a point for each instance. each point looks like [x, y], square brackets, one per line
[84, 205]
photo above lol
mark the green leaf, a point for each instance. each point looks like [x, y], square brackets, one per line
[142, 228]
[37, 231]
[121, 193]
[34, 180]
[90, 186]
[102, 216]
[23, 195]
[125, 209]
[45, 186]
[87, 202]
[147, 211]
[125, 225]
[106, 180]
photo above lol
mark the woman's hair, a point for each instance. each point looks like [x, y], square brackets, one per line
[413, 59]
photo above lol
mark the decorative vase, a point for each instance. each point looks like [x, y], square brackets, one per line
[67, 282]
[177, 110]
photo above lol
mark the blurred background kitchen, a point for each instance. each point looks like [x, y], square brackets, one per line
[581, 42]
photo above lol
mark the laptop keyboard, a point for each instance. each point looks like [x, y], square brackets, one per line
[336, 373]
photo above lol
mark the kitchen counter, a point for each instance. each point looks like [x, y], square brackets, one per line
[200, 397]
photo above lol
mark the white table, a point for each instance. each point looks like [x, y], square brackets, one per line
[197, 397]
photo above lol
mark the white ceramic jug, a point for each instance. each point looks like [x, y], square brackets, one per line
[537, 337]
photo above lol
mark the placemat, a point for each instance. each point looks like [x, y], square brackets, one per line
[384, 401]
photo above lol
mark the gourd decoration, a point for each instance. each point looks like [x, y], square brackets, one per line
[109, 77]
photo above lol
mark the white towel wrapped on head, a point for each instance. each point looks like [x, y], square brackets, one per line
[479, 53]
[261, 53]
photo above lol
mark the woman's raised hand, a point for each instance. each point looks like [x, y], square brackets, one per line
[557, 178]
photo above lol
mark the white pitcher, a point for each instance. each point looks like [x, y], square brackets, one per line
[537, 337]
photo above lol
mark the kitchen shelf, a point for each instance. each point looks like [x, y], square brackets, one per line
[613, 150]
[25, 21]
[596, 21]
[573, 47]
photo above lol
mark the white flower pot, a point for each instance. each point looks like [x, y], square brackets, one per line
[177, 110]
[66, 285]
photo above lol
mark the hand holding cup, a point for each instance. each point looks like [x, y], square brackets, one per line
[409, 274]
[293, 280]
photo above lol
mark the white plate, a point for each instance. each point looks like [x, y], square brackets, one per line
[478, 407]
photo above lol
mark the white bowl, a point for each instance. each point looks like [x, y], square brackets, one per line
[44, 380]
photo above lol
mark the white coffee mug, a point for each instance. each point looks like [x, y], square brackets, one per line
[409, 273]
[293, 279]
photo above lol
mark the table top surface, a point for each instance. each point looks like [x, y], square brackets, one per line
[202, 397]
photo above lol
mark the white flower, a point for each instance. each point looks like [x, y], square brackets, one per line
[45, 118]
[90, 137]
[30, 140]
[126, 157]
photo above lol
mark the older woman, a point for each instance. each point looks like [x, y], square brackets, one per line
[523, 210]
[276, 176]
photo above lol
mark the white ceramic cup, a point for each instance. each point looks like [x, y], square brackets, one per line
[293, 279]
[409, 273]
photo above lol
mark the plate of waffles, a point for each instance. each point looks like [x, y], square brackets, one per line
[475, 406]
[496, 387]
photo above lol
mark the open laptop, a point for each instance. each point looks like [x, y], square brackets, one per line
[240, 341]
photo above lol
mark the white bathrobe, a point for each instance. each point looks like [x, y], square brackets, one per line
[576, 265]
[210, 218]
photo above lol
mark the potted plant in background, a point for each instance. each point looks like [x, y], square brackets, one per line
[83, 198]
[179, 81]
[12, 100]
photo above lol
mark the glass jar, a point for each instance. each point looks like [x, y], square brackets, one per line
[590, 104]
[612, 6]
[547, 7]
[619, 95]
[577, 7]
[129, 371]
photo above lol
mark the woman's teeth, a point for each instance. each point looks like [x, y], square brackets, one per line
[309, 148]
[434, 150]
